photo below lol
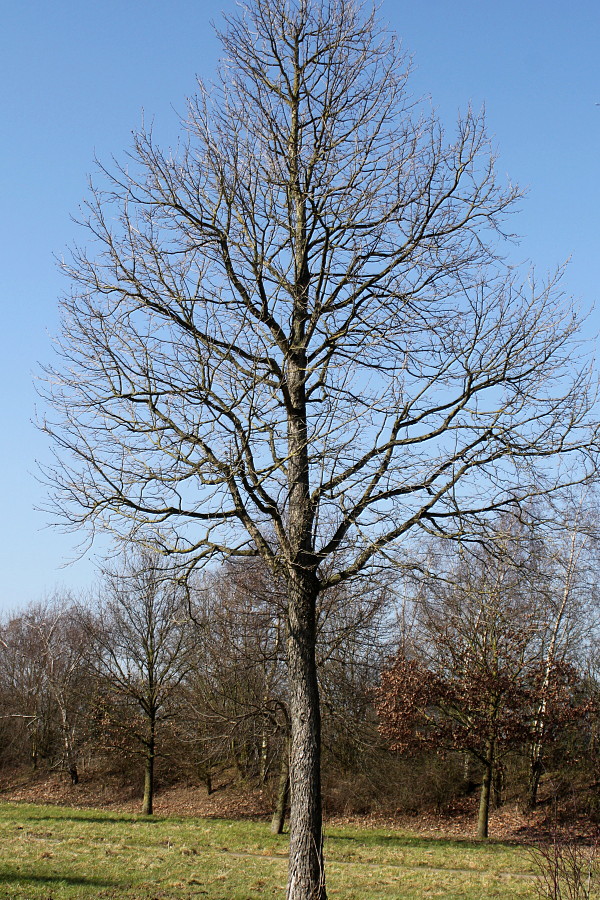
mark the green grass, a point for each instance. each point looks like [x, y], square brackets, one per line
[55, 853]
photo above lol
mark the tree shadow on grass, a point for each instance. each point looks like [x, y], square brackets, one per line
[394, 840]
[97, 820]
[16, 877]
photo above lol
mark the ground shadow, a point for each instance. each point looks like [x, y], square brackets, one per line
[394, 840]
[99, 820]
[72, 880]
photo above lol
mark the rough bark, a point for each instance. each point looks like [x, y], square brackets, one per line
[306, 879]
[306, 872]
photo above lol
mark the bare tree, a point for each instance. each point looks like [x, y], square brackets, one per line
[44, 679]
[139, 649]
[237, 690]
[26, 698]
[569, 564]
[356, 635]
[488, 667]
[62, 646]
[295, 338]
[565, 869]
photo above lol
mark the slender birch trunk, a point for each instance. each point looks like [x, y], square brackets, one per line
[536, 748]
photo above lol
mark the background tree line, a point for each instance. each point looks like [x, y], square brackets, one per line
[474, 671]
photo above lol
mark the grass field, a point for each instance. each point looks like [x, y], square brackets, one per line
[56, 853]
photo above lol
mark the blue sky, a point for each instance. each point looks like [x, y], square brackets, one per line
[74, 79]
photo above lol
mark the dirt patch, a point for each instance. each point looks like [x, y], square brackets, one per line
[234, 801]
[105, 791]
[510, 823]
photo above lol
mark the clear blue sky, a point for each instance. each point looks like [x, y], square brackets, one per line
[74, 79]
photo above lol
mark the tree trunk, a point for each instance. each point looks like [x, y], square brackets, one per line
[499, 782]
[484, 802]
[148, 802]
[468, 778]
[536, 764]
[535, 773]
[70, 755]
[264, 752]
[306, 871]
[283, 792]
